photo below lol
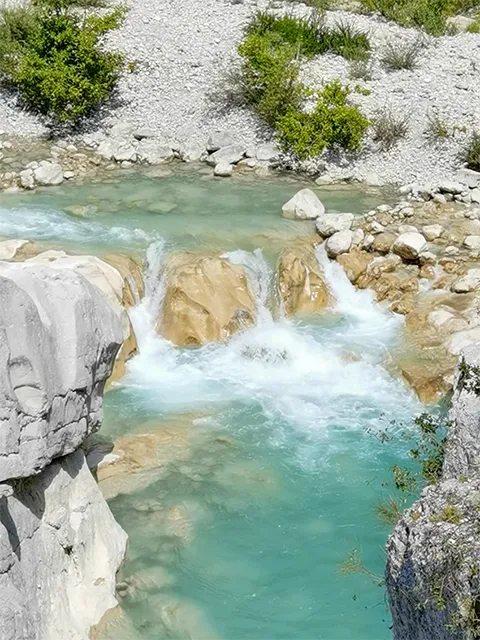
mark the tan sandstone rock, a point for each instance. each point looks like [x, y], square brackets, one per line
[300, 281]
[207, 299]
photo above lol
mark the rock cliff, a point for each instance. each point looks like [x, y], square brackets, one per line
[433, 554]
[60, 547]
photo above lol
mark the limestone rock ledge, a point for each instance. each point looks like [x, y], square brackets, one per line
[60, 547]
[433, 554]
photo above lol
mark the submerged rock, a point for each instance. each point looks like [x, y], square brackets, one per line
[300, 281]
[207, 299]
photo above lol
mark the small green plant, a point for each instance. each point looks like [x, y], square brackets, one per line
[450, 513]
[362, 91]
[360, 70]
[389, 128]
[474, 27]
[55, 58]
[401, 55]
[437, 127]
[310, 36]
[353, 564]
[430, 15]
[389, 512]
[333, 122]
[470, 154]
[269, 76]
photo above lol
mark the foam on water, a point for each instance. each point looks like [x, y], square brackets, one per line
[48, 224]
[302, 377]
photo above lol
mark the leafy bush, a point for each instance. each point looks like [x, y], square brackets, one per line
[269, 76]
[401, 55]
[470, 154]
[55, 58]
[430, 15]
[389, 128]
[310, 35]
[333, 122]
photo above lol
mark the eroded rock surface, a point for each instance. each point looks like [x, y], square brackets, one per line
[60, 547]
[207, 299]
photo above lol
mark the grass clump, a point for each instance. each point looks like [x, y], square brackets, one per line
[401, 55]
[437, 127]
[332, 122]
[360, 70]
[311, 36]
[389, 128]
[430, 15]
[470, 154]
[450, 513]
[53, 56]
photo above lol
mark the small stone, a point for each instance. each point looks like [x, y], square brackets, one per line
[472, 242]
[475, 196]
[27, 180]
[330, 223]
[339, 243]
[219, 140]
[427, 257]
[409, 245]
[469, 177]
[227, 155]
[451, 187]
[439, 198]
[304, 205]
[190, 151]
[266, 152]
[223, 169]
[68, 175]
[125, 151]
[324, 180]
[143, 132]
[358, 237]
[383, 242]
[407, 228]
[383, 208]
[368, 241]
[48, 174]
[432, 231]
[153, 152]
[376, 227]
[451, 250]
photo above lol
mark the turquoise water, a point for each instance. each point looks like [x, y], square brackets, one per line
[255, 466]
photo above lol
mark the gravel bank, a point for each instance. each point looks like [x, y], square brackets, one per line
[182, 48]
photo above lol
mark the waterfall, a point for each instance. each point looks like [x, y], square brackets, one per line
[358, 306]
[259, 276]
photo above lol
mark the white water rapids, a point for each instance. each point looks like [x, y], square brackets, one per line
[302, 375]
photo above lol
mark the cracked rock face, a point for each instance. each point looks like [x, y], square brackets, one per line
[433, 554]
[60, 547]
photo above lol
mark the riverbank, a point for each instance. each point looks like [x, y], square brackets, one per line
[175, 90]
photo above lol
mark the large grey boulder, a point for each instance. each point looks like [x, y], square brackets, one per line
[60, 547]
[52, 359]
[304, 205]
[48, 174]
[330, 223]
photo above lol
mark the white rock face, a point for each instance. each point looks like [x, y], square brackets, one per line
[339, 243]
[409, 245]
[330, 223]
[48, 174]
[304, 205]
[63, 580]
[59, 545]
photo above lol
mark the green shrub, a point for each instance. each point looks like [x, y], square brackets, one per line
[333, 122]
[269, 76]
[310, 35]
[56, 61]
[470, 154]
[430, 15]
[401, 55]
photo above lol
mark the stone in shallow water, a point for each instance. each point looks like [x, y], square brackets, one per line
[330, 223]
[305, 205]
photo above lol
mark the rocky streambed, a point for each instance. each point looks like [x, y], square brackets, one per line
[254, 353]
